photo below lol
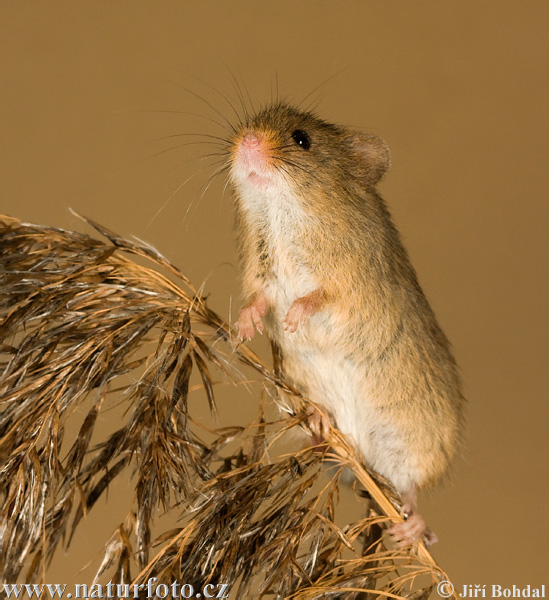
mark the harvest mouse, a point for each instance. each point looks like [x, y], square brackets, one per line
[325, 269]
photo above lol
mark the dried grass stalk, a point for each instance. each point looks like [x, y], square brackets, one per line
[81, 319]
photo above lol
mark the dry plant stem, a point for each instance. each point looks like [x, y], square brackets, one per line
[343, 451]
[341, 448]
[74, 312]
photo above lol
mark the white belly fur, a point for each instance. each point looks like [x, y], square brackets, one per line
[316, 361]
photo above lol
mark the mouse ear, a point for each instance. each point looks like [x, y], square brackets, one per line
[374, 155]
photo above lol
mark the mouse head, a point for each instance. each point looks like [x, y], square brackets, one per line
[281, 147]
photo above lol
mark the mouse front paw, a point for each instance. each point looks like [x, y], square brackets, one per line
[250, 318]
[302, 309]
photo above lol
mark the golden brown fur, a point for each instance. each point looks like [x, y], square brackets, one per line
[310, 221]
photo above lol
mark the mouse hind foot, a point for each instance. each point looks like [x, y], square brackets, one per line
[320, 425]
[413, 529]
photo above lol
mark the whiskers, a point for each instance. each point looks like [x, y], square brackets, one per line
[216, 143]
[224, 116]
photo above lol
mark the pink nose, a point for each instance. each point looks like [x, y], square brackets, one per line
[250, 140]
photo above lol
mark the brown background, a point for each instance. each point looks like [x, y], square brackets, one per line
[459, 91]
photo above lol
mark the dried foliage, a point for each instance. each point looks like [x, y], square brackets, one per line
[85, 325]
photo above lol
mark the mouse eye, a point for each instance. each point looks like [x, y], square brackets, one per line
[301, 138]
